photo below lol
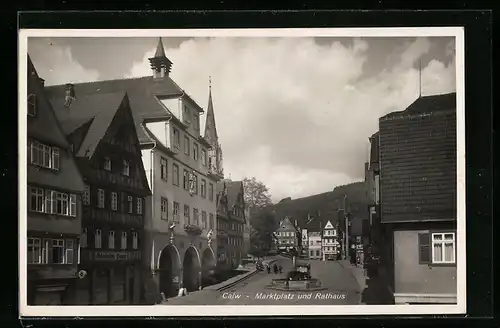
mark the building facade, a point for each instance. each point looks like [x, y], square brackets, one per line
[231, 223]
[329, 242]
[182, 169]
[286, 235]
[418, 199]
[101, 131]
[315, 248]
[54, 214]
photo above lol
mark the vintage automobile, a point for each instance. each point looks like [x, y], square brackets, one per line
[302, 271]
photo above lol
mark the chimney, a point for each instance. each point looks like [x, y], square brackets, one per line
[69, 94]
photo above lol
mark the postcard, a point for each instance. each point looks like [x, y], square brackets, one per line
[244, 172]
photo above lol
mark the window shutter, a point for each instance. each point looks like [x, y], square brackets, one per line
[424, 247]
[69, 251]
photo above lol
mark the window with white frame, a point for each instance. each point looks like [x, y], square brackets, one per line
[126, 168]
[70, 251]
[84, 238]
[107, 164]
[195, 151]
[187, 216]
[114, 201]
[37, 203]
[175, 173]
[58, 251]
[203, 157]
[100, 198]
[34, 251]
[123, 243]
[139, 205]
[52, 202]
[44, 155]
[135, 241]
[204, 219]
[164, 208]
[443, 247]
[86, 195]
[98, 238]
[111, 240]
[186, 145]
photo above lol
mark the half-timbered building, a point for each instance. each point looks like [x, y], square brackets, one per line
[101, 131]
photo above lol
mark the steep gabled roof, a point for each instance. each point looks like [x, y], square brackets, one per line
[234, 189]
[101, 108]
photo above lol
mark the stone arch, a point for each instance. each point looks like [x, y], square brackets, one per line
[208, 263]
[169, 268]
[191, 269]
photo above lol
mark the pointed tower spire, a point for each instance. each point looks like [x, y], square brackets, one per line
[210, 129]
[215, 153]
[160, 64]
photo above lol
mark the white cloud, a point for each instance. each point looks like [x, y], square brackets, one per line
[58, 66]
[292, 113]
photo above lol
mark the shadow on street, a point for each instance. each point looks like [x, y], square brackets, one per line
[376, 292]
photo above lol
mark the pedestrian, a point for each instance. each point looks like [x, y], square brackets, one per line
[268, 269]
[280, 268]
[275, 267]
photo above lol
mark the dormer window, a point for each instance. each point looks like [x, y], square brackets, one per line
[32, 104]
[126, 168]
[107, 164]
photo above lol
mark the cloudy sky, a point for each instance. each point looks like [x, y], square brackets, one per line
[296, 113]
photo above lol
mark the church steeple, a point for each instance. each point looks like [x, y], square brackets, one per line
[160, 64]
[215, 153]
[210, 128]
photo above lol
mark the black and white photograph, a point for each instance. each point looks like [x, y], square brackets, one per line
[196, 172]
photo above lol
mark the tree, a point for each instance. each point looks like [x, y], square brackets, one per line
[256, 195]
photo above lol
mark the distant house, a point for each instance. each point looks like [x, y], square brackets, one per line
[287, 235]
[330, 244]
[418, 210]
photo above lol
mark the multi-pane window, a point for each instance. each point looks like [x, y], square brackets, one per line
[186, 145]
[98, 238]
[84, 238]
[34, 251]
[107, 164]
[32, 104]
[195, 151]
[43, 155]
[210, 221]
[211, 192]
[114, 201]
[176, 211]
[204, 219]
[86, 195]
[177, 139]
[164, 208]
[123, 243]
[100, 198]
[126, 168]
[163, 169]
[135, 242]
[203, 188]
[175, 173]
[58, 251]
[196, 220]
[130, 201]
[139, 205]
[187, 218]
[111, 240]
[443, 247]
[186, 179]
[52, 202]
[203, 157]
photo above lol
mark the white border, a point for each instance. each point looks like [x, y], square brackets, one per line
[256, 310]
